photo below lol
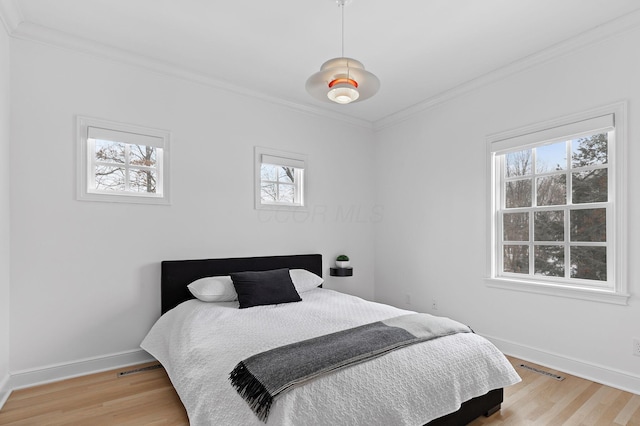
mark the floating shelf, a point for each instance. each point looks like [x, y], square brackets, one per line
[341, 272]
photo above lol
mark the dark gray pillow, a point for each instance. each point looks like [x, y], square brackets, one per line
[256, 288]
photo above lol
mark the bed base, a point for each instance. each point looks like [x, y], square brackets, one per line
[484, 405]
[176, 275]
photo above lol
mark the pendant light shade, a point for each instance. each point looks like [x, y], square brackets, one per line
[342, 80]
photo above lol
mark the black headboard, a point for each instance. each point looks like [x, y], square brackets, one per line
[176, 275]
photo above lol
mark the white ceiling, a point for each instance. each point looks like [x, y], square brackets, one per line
[419, 49]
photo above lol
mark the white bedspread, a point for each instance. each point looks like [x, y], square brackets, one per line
[200, 343]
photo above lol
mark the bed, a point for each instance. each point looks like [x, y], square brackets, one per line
[448, 381]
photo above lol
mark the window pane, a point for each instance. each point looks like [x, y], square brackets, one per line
[590, 186]
[549, 225]
[518, 193]
[549, 261]
[109, 178]
[589, 263]
[142, 181]
[589, 225]
[141, 155]
[110, 152]
[551, 157]
[286, 174]
[551, 190]
[269, 172]
[516, 226]
[516, 259]
[286, 193]
[589, 151]
[268, 192]
[518, 163]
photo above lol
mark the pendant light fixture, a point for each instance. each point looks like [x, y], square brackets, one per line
[342, 80]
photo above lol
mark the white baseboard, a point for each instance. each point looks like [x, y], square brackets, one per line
[54, 373]
[5, 391]
[596, 373]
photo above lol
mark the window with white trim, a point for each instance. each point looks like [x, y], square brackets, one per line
[557, 213]
[279, 179]
[121, 162]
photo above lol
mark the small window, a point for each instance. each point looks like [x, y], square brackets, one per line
[557, 214]
[122, 163]
[279, 179]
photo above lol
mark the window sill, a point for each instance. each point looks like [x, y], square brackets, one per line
[123, 198]
[282, 207]
[593, 295]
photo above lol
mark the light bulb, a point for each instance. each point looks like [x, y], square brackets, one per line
[343, 93]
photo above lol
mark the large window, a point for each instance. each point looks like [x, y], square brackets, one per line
[279, 179]
[557, 213]
[120, 162]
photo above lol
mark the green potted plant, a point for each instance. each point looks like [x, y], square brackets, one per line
[342, 261]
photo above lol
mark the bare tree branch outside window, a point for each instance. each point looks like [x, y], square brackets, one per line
[278, 184]
[113, 159]
[588, 175]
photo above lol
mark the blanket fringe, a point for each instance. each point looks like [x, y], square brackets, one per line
[251, 390]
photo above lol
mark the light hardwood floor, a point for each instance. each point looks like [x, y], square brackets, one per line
[145, 398]
[148, 398]
[541, 400]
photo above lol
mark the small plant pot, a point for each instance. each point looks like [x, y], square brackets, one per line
[342, 263]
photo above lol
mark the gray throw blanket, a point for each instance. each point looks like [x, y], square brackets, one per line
[261, 378]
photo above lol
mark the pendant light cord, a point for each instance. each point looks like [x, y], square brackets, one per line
[342, 7]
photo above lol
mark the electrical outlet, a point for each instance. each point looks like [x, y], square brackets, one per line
[434, 304]
[636, 347]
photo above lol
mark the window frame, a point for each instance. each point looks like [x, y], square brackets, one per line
[86, 161]
[280, 158]
[616, 291]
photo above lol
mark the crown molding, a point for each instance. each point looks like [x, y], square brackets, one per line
[10, 15]
[15, 25]
[40, 34]
[598, 34]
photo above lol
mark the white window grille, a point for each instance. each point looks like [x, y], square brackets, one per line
[279, 179]
[122, 163]
[557, 214]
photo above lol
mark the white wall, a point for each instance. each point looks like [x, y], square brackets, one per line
[432, 243]
[85, 275]
[4, 210]
[428, 173]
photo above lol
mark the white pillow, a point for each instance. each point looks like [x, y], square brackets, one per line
[214, 289]
[304, 280]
